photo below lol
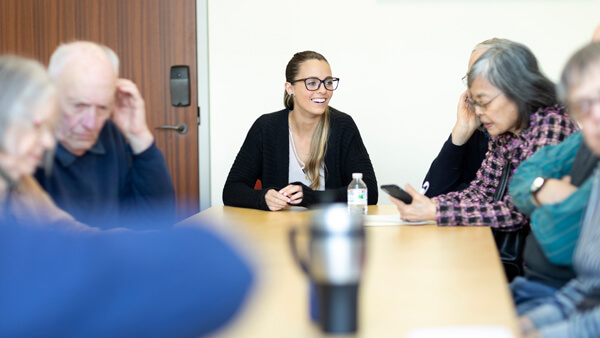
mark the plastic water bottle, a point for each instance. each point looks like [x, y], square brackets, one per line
[357, 195]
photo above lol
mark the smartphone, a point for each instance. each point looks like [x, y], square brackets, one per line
[397, 192]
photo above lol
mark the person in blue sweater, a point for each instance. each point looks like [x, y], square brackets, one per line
[574, 310]
[59, 278]
[176, 282]
[107, 166]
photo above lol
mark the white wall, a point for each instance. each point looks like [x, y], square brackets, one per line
[400, 64]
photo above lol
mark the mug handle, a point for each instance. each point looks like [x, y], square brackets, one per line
[292, 236]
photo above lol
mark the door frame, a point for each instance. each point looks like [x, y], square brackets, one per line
[203, 104]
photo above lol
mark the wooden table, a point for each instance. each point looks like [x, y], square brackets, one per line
[415, 276]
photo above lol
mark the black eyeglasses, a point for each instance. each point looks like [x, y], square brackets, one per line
[483, 106]
[314, 83]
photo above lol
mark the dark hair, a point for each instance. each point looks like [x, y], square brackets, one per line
[577, 66]
[513, 69]
[292, 69]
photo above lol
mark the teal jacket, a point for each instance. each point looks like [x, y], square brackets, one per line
[556, 226]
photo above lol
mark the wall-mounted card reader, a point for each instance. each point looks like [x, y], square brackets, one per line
[180, 86]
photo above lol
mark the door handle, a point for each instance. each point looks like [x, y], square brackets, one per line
[181, 128]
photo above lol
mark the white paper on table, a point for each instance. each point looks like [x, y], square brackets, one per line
[461, 332]
[390, 220]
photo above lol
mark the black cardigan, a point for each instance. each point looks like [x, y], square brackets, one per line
[455, 166]
[265, 156]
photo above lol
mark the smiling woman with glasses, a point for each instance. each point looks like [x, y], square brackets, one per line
[301, 151]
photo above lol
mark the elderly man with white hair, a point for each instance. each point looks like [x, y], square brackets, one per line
[107, 168]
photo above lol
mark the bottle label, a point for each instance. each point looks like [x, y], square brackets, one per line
[357, 196]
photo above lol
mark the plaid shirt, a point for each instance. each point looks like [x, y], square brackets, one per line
[475, 205]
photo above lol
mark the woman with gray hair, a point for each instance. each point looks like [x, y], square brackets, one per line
[28, 115]
[518, 107]
[461, 155]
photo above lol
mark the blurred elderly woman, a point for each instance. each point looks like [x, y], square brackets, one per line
[28, 115]
[518, 107]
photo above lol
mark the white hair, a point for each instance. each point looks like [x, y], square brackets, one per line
[65, 53]
[24, 86]
[112, 56]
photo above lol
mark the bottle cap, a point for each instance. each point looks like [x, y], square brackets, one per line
[357, 175]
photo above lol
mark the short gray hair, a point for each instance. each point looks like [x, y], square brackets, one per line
[578, 65]
[513, 69]
[489, 43]
[24, 86]
[65, 52]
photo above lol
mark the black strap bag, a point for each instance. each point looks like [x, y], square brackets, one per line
[590, 302]
[510, 243]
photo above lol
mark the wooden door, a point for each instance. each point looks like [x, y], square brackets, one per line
[149, 36]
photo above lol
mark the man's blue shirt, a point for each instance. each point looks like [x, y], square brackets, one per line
[109, 183]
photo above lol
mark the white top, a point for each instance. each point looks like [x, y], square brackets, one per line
[357, 175]
[296, 168]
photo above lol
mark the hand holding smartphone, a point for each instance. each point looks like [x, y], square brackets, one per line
[397, 192]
